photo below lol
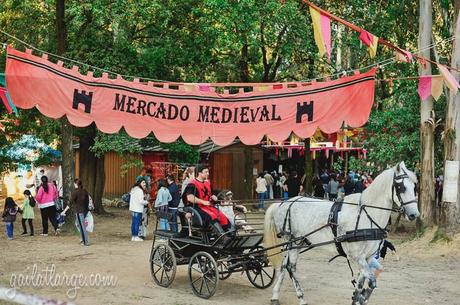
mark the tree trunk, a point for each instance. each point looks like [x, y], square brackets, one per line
[449, 211]
[426, 198]
[88, 159]
[61, 32]
[66, 128]
[307, 184]
[92, 172]
[99, 186]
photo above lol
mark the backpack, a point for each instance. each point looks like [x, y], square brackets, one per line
[32, 201]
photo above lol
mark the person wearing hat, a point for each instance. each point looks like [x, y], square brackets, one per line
[228, 209]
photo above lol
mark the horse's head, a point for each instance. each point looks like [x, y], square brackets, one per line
[404, 182]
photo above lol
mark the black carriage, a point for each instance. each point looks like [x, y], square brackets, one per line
[209, 257]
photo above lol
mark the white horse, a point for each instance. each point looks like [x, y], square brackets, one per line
[300, 216]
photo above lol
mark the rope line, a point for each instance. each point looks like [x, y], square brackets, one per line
[379, 64]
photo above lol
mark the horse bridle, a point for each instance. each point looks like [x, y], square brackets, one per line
[399, 188]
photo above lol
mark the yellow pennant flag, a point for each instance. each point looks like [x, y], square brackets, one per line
[319, 39]
[436, 87]
[450, 80]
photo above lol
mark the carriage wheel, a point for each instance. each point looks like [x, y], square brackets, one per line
[223, 271]
[203, 273]
[262, 275]
[163, 265]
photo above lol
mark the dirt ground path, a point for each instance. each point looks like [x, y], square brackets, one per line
[425, 274]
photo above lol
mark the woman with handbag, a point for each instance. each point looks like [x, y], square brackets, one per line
[46, 196]
[80, 199]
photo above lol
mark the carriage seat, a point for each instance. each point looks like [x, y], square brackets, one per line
[197, 221]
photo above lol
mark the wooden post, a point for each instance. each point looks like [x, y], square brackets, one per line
[427, 198]
[449, 213]
[308, 187]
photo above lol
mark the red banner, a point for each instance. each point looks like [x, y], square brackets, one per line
[195, 115]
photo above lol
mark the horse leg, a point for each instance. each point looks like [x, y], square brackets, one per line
[279, 282]
[362, 295]
[291, 268]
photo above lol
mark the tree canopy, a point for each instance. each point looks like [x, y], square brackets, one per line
[235, 41]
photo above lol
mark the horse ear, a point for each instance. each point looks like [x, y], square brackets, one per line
[402, 165]
[398, 168]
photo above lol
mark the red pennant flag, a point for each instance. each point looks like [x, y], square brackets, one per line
[5, 100]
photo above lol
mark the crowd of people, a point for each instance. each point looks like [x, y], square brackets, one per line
[166, 196]
[50, 205]
[333, 185]
[329, 185]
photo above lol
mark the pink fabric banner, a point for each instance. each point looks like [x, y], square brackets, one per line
[424, 87]
[195, 116]
[326, 31]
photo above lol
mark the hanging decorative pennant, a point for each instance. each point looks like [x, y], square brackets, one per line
[369, 40]
[449, 79]
[5, 98]
[436, 86]
[263, 88]
[424, 87]
[322, 32]
[422, 61]
[204, 88]
[405, 56]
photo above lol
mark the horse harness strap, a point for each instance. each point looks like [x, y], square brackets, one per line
[333, 223]
[355, 235]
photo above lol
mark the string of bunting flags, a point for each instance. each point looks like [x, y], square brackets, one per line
[428, 85]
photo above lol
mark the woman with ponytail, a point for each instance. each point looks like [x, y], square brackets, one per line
[46, 196]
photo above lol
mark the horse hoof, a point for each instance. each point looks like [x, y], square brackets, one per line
[275, 302]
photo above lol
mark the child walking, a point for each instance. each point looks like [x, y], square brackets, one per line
[9, 216]
[28, 214]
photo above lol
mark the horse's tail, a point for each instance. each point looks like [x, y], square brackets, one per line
[271, 238]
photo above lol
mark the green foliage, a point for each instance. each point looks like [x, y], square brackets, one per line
[440, 235]
[119, 142]
[181, 152]
[233, 40]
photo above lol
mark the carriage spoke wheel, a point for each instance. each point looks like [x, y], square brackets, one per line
[203, 274]
[223, 271]
[262, 275]
[163, 265]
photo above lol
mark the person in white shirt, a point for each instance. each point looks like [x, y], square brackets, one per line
[136, 206]
[261, 190]
[270, 181]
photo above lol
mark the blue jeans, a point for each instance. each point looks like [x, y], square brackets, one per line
[173, 213]
[261, 200]
[9, 229]
[164, 224]
[81, 225]
[136, 221]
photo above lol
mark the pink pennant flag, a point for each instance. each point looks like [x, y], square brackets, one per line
[369, 40]
[430, 85]
[449, 79]
[424, 87]
[204, 88]
[404, 56]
